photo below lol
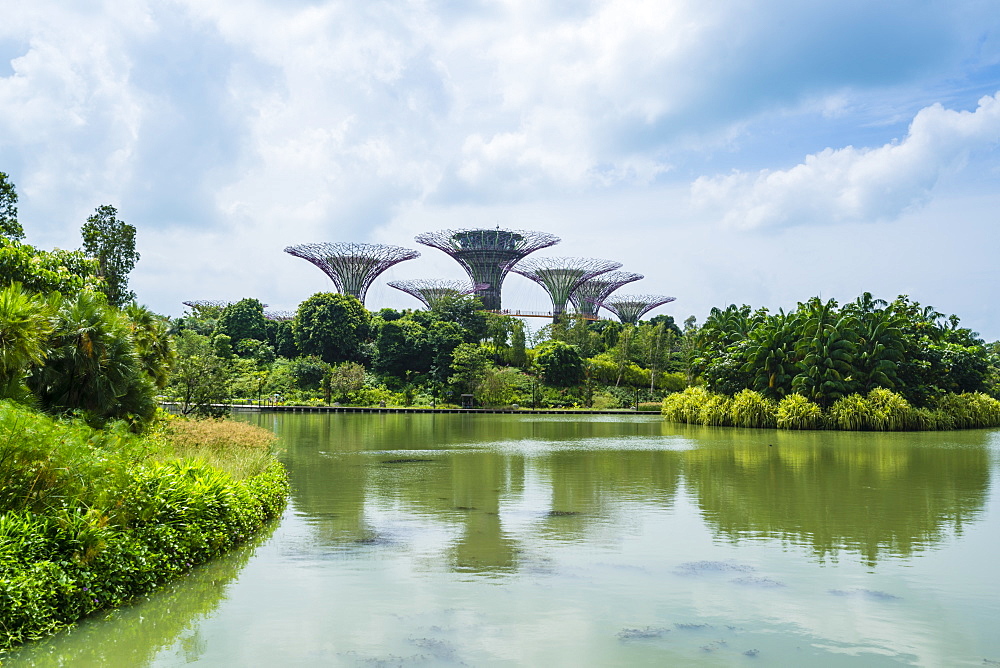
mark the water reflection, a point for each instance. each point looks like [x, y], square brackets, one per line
[875, 495]
[498, 485]
[167, 617]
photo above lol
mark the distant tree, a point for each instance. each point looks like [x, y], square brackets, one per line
[200, 379]
[282, 338]
[331, 326]
[401, 347]
[242, 320]
[344, 379]
[258, 351]
[470, 366]
[112, 243]
[467, 311]
[9, 226]
[560, 363]
[308, 372]
[442, 339]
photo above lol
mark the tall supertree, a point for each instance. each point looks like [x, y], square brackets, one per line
[431, 291]
[352, 267]
[629, 308]
[560, 276]
[589, 295]
[488, 255]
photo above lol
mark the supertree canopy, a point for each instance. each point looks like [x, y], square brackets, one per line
[560, 276]
[629, 308]
[431, 291]
[279, 316]
[589, 295]
[207, 303]
[352, 267]
[488, 255]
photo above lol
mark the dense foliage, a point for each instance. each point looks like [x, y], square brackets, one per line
[89, 519]
[825, 352]
[878, 410]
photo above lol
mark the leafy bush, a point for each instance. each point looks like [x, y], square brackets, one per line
[752, 409]
[685, 406]
[971, 410]
[797, 412]
[650, 406]
[90, 519]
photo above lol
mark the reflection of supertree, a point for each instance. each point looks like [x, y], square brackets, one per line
[589, 295]
[629, 308]
[280, 316]
[560, 276]
[487, 255]
[431, 291]
[352, 267]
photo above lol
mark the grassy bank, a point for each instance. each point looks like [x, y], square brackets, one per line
[89, 519]
[879, 410]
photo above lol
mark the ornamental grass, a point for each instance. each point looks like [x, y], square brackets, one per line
[797, 412]
[90, 519]
[880, 410]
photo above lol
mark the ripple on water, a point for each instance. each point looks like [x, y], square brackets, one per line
[866, 593]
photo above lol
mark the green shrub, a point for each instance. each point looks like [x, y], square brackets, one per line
[850, 413]
[752, 409]
[685, 406]
[797, 412]
[889, 411]
[971, 410]
[671, 382]
[716, 411]
[650, 406]
[90, 519]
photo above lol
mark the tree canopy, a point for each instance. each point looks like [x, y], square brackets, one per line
[112, 242]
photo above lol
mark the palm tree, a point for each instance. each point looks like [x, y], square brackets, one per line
[827, 348]
[152, 343]
[92, 364]
[25, 324]
[772, 359]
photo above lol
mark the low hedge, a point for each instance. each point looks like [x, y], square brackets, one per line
[879, 410]
[76, 553]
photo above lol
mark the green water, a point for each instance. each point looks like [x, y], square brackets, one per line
[489, 540]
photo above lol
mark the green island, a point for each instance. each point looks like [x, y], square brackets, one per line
[104, 496]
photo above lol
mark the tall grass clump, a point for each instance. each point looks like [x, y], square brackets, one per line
[890, 411]
[750, 408]
[241, 449]
[850, 413]
[972, 410]
[716, 411]
[685, 407]
[90, 519]
[797, 412]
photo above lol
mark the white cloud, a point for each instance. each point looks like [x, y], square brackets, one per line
[855, 184]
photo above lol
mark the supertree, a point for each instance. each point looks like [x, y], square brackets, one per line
[431, 291]
[352, 267]
[629, 308]
[279, 316]
[560, 276]
[589, 295]
[487, 255]
[207, 303]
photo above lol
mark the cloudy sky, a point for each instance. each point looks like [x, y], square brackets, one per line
[742, 151]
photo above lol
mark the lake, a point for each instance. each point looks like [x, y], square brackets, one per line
[532, 540]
